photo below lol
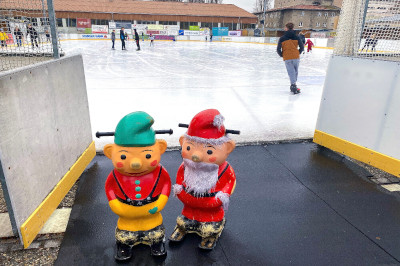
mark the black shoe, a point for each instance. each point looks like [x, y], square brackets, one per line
[177, 235]
[158, 249]
[123, 253]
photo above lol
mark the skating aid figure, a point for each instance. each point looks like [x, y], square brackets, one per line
[205, 180]
[138, 187]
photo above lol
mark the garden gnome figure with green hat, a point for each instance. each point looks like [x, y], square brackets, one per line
[138, 187]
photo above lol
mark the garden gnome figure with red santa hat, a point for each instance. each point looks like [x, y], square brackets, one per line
[205, 180]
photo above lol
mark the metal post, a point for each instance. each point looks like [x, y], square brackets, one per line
[53, 30]
[265, 8]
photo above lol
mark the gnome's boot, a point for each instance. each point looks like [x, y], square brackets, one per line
[158, 249]
[178, 234]
[210, 242]
[210, 233]
[123, 253]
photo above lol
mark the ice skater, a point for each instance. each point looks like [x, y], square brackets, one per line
[137, 40]
[48, 36]
[287, 48]
[369, 42]
[210, 37]
[122, 37]
[142, 37]
[113, 39]
[310, 45]
[18, 36]
[33, 34]
[3, 38]
[151, 38]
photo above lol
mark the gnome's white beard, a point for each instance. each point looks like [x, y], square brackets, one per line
[200, 177]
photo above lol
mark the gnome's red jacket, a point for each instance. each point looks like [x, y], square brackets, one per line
[138, 188]
[206, 208]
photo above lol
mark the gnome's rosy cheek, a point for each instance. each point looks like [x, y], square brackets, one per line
[120, 165]
[212, 159]
[154, 163]
[184, 154]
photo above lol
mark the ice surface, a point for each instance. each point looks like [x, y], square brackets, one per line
[173, 81]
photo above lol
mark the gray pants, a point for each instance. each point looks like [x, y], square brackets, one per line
[292, 67]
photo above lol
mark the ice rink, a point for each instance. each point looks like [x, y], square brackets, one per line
[173, 81]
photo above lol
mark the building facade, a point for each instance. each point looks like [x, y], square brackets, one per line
[181, 14]
[307, 15]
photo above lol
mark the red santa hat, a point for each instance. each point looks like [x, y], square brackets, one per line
[207, 127]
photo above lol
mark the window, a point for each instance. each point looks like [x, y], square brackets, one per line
[326, 14]
[59, 22]
[333, 14]
[324, 25]
[209, 25]
[184, 25]
[302, 13]
[300, 24]
[319, 14]
[71, 22]
[274, 24]
[318, 24]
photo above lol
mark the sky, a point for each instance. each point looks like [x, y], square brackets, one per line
[247, 5]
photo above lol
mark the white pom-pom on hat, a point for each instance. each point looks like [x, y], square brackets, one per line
[218, 121]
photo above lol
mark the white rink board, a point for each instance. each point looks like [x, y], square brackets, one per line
[360, 103]
[45, 127]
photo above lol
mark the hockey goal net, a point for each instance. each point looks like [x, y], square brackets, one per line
[369, 28]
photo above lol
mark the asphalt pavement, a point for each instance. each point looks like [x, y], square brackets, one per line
[294, 204]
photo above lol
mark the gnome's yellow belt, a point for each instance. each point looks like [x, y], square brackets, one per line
[139, 202]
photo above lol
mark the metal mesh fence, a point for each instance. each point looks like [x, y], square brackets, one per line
[369, 28]
[26, 33]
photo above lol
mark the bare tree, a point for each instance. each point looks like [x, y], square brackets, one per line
[262, 5]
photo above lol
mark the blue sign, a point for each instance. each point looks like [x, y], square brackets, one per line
[220, 31]
[181, 32]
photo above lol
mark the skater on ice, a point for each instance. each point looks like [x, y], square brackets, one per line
[33, 35]
[3, 38]
[310, 45]
[113, 39]
[151, 37]
[18, 36]
[122, 37]
[137, 40]
[290, 47]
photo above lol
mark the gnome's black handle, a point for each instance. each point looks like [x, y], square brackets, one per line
[183, 125]
[231, 131]
[167, 131]
[110, 134]
[104, 134]
[228, 131]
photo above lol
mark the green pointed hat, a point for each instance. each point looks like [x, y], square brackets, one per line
[134, 130]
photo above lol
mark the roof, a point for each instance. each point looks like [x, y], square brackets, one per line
[303, 7]
[142, 7]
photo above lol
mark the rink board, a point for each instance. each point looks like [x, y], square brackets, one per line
[359, 113]
[45, 130]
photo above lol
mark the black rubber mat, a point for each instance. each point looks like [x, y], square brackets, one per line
[294, 204]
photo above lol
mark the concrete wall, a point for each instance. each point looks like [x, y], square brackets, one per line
[45, 127]
[360, 103]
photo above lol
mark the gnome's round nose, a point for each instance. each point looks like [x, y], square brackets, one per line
[195, 158]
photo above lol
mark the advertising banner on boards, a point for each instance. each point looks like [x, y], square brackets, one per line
[83, 23]
[99, 29]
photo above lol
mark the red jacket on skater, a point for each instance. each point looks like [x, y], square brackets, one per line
[309, 44]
